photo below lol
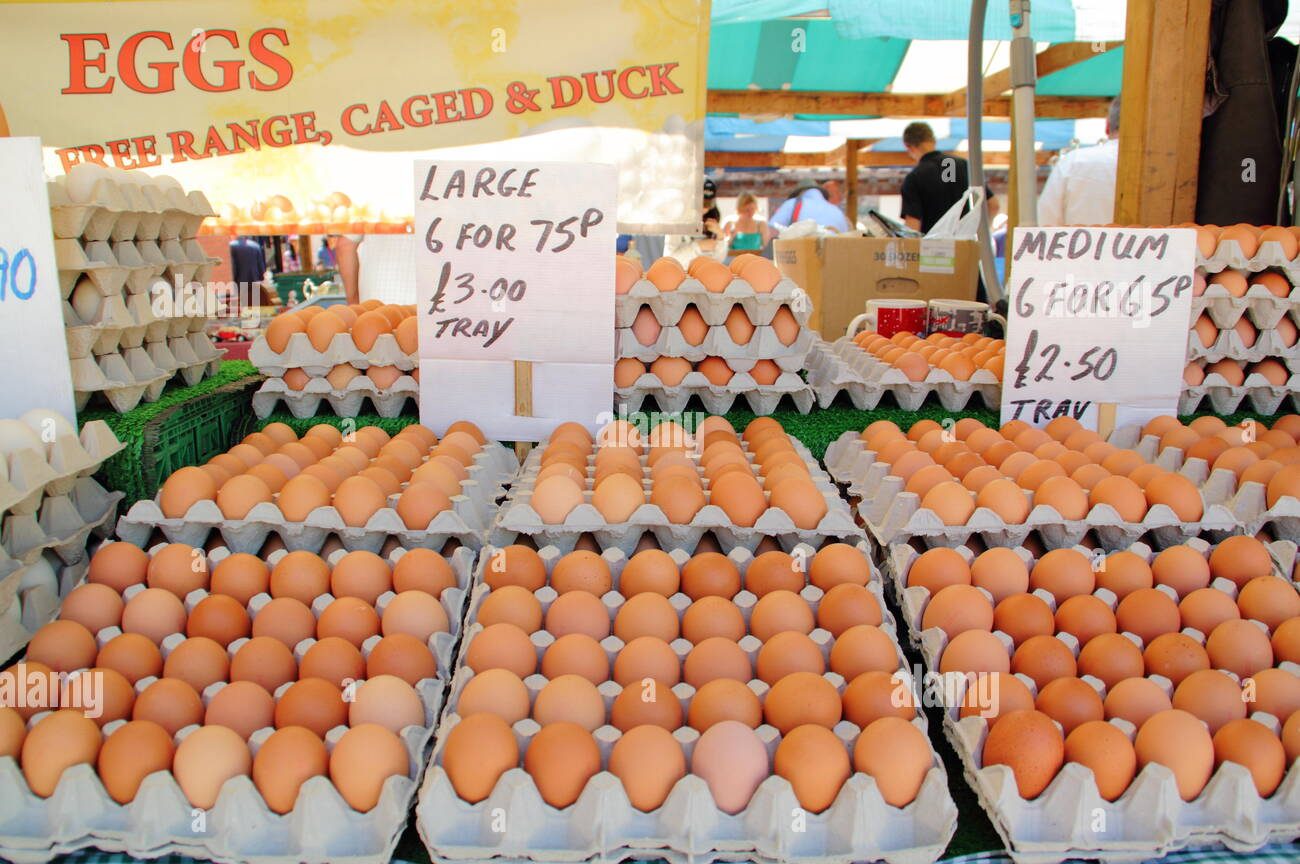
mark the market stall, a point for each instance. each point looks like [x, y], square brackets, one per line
[507, 547]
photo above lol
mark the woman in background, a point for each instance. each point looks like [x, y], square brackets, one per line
[745, 233]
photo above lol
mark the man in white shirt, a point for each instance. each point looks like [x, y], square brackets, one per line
[377, 267]
[1081, 188]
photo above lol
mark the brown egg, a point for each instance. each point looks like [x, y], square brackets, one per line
[1044, 659]
[873, 695]
[801, 698]
[646, 615]
[561, 758]
[724, 699]
[713, 658]
[286, 760]
[1270, 600]
[1239, 646]
[118, 565]
[792, 651]
[1084, 617]
[1063, 573]
[206, 759]
[649, 762]
[1206, 608]
[1254, 746]
[650, 570]
[1001, 572]
[285, 619]
[300, 575]
[847, 605]
[132, 655]
[778, 611]
[838, 564]
[1175, 656]
[816, 764]
[578, 612]
[950, 502]
[64, 646]
[1135, 700]
[1063, 495]
[582, 570]
[390, 702]
[937, 568]
[1122, 494]
[1181, 568]
[1147, 613]
[171, 703]
[57, 742]
[495, 691]
[1023, 616]
[513, 605]
[402, 656]
[1212, 696]
[1240, 559]
[220, 618]
[1180, 742]
[958, 608]
[478, 750]
[1070, 702]
[578, 654]
[647, 657]
[93, 606]
[1105, 750]
[357, 499]
[972, 651]
[362, 761]
[710, 574]
[1031, 745]
[177, 568]
[361, 574]
[1122, 573]
[183, 488]
[570, 699]
[199, 662]
[1111, 658]
[155, 613]
[312, 703]
[1005, 499]
[240, 576]
[502, 646]
[991, 695]
[350, 618]
[243, 706]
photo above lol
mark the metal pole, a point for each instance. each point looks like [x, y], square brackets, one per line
[1024, 75]
[975, 145]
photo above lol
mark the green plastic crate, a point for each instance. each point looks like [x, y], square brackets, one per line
[192, 432]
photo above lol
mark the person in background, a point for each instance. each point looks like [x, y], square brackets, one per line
[247, 265]
[936, 183]
[809, 202]
[745, 233]
[1081, 188]
[834, 192]
[377, 266]
[325, 254]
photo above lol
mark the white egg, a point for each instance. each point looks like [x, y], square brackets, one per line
[86, 300]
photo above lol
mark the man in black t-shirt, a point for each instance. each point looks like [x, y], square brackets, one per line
[936, 183]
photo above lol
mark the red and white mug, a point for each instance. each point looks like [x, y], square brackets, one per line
[890, 316]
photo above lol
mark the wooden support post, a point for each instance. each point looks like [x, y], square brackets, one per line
[851, 148]
[306, 261]
[1166, 44]
[523, 400]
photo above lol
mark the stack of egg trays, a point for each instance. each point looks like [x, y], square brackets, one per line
[1150, 819]
[893, 514]
[50, 507]
[299, 353]
[517, 518]
[842, 366]
[688, 827]
[1264, 311]
[668, 307]
[240, 828]
[466, 522]
[121, 244]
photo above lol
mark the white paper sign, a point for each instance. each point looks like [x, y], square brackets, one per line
[33, 347]
[515, 261]
[1097, 315]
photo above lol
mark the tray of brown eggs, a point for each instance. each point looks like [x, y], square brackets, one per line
[1261, 297]
[345, 389]
[736, 339]
[366, 490]
[1059, 483]
[712, 288]
[1246, 247]
[867, 366]
[672, 382]
[225, 707]
[675, 486]
[1116, 705]
[688, 707]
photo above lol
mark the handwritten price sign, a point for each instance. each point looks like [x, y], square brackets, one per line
[516, 263]
[1097, 316]
[33, 347]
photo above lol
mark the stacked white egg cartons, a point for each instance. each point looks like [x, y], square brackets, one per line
[49, 508]
[131, 275]
[711, 331]
[1244, 341]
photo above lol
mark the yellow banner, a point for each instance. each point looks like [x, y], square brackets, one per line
[306, 115]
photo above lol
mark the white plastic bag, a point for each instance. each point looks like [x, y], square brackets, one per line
[957, 224]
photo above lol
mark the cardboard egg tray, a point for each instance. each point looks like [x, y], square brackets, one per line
[761, 399]
[348, 402]
[1228, 345]
[844, 367]
[125, 211]
[1260, 306]
[763, 345]
[30, 595]
[1228, 254]
[668, 306]
[1150, 818]
[465, 522]
[299, 353]
[130, 265]
[63, 524]
[27, 474]
[1224, 398]
[517, 518]
[892, 514]
[859, 826]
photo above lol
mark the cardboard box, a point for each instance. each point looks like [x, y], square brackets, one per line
[842, 273]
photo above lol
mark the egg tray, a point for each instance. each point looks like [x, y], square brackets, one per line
[238, 829]
[112, 266]
[1228, 254]
[762, 399]
[30, 595]
[348, 402]
[124, 211]
[763, 345]
[1224, 398]
[299, 353]
[517, 518]
[27, 475]
[1152, 817]
[1229, 346]
[843, 367]
[668, 306]
[125, 379]
[859, 826]
[124, 322]
[1260, 306]
[465, 522]
[63, 524]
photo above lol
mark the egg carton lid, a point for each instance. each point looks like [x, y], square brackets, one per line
[1228, 254]
[342, 351]
[1149, 819]
[241, 829]
[762, 399]
[1262, 307]
[668, 306]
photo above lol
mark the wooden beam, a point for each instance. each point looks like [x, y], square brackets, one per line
[852, 151]
[729, 159]
[1167, 43]
[1051, 59]
[785, 102]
